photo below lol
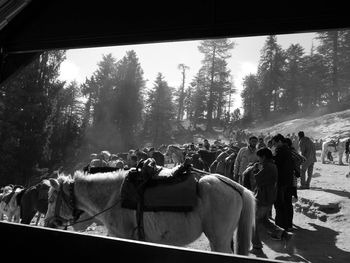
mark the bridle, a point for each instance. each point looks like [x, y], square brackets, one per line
[69, 201]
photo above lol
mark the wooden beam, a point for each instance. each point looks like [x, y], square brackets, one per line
[45, 25]
[24, 242]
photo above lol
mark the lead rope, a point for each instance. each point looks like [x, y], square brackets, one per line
[91, 217]
[77, 213]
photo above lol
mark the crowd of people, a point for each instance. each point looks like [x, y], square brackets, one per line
[271, 167]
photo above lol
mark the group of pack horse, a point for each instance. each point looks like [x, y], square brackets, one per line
[149, 202]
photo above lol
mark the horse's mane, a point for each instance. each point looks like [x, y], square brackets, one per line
[174, 146]
[109, 176]
[63, 178]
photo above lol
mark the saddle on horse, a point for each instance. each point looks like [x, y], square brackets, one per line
[160, 189]
[149, 188]
[333, 143]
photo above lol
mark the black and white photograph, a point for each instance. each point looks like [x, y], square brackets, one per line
[185, 141]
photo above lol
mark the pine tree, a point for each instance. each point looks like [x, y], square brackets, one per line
[160, 111]
[26, 102]
[215, 52]
[102, 134]
[250, 97]
[270, 74]
[181, 92]
[65, 124]
[291, 85]
[197, 101]
[313, 82]
[128, 105]
[335, 50]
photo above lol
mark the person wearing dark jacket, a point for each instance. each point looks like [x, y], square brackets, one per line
[285, 167]
[265, 193]
[292, 191]
[308, 150]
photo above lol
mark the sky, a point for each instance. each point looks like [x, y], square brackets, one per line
[165, 57]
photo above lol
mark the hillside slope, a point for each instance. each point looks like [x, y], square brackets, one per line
[330, 125]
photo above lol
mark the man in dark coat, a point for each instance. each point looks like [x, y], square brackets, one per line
[285, 166]
[308, 151]
[265, 193]
[206, 144]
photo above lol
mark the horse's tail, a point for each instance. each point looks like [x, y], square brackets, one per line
[246, 223]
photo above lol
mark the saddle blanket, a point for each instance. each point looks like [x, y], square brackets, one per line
[178, 195]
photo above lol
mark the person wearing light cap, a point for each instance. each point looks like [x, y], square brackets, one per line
[106, 155]
[93, 156]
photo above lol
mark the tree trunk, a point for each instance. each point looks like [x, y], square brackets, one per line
[181, 97]
[211, 94]
[335, 84]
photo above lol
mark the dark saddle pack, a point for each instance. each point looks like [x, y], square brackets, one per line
[158, 189]
[333, 143]
[93, 170]
[153, 188]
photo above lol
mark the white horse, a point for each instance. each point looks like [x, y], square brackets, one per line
[223, 206]
[11, 209]
[175, 153]
[328, 146]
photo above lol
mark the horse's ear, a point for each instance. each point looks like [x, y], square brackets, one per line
[54, 183]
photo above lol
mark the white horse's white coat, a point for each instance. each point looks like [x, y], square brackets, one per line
[12, 209]
[340, 149]
[220, 211]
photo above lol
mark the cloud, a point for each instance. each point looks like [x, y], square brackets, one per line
[69, 71]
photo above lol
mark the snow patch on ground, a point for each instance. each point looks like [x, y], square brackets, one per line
[329, 125]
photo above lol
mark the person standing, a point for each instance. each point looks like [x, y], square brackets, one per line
[206, 144]
[245, 156]
[265, 194]
[285, 167]
[308, 151]
[261, 143]
[347, 150]
[292, 191]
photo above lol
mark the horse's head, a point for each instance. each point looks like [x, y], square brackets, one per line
[60, 210]
[162, 148]
[168, 151]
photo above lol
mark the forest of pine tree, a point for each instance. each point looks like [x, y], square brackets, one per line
[45, 122]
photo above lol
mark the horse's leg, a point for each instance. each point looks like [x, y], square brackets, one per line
[17, 217]
[38, 218]
[27, 217]
[341, 157]
[221, 220]
[10, 217]
[323, 154]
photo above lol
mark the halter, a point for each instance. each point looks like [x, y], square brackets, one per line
[70, 203]
[69, 200]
